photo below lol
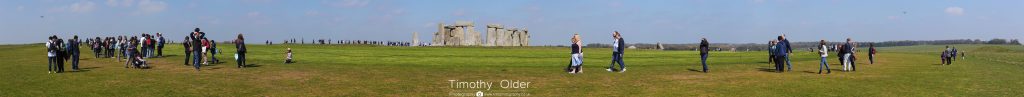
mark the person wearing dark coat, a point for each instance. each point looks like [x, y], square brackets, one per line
[240, 45]
[186, 44]
[196, 49]
[74, 52]
[704, 53]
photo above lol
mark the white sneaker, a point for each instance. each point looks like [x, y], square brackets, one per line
[623, 70]
[609, 69]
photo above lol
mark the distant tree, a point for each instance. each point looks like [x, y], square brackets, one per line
[1014, 42]
[997, 41]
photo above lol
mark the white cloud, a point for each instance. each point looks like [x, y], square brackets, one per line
[955, 11]
[82, 7]
[123, 3]
[351, 3]
[148, 6]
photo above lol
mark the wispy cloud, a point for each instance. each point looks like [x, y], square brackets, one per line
[955, 11]
[349, 3]
[82, 7]
[149, 7]
[122, 3]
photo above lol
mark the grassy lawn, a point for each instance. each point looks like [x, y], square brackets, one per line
[336, 70]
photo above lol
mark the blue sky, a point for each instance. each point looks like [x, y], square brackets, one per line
[550, 22]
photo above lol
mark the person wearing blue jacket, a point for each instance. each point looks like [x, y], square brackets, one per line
[781, 54]
[618, 47]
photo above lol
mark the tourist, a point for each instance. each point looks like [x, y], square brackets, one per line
[771, 51]
[789, 51]
[206, 47]
[160, 45]
[196, 48]
[288, 56]
[847, 51]
[781, 51]
[953, 54]
[618, 47]
[51, 55]
[946, 55]
[871, 53]
[186, 44]
[577, 55]
[240, 45]
[74, 52]
[213, 52]
[823, 51]
[704, 53]
[61, 55]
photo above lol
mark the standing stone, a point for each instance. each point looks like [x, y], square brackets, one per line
[525, 37]
[492, 31]
[415, 39]
[440, 35]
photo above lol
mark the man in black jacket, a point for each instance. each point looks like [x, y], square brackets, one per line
[704, 53]
[196, 49]
[617, 49]
[789, 51]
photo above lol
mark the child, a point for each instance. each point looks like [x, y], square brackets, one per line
[288, 56]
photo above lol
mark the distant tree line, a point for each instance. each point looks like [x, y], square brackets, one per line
[807, 46]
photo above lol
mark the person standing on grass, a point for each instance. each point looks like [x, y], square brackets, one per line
[871, 52]
[206, 48]
[51, 55]
[953, 54]
[846, 53]
[74, 52]
[160, 45]
[213, 52]
[240, 45]
[771, 52]
[186, 44]
[196, 49]
[576, 55]
[823, 51]
[789, 51]
[61, 55]
[946, 54]
[618, 47]
[704, 53]
[781, 51]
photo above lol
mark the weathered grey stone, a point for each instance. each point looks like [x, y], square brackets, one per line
[415, 39]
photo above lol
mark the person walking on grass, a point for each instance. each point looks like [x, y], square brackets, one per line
[576, 65]
[618, 47]
[704, 53]
[871, 52]
[240, 45]
[823, 51]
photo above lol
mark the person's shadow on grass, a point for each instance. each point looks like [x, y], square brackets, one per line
[768, 70]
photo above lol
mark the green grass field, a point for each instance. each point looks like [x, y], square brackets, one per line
[336, 70]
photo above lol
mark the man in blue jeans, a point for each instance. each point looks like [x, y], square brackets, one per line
[196, 50]
[822, 50]
[73, 49]
[704, 53]
[617, 48]
[782, 54]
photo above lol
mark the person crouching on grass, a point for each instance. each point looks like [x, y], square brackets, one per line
[577, 55]
[288, 56]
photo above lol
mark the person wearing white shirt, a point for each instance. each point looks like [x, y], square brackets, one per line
[823, 51]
